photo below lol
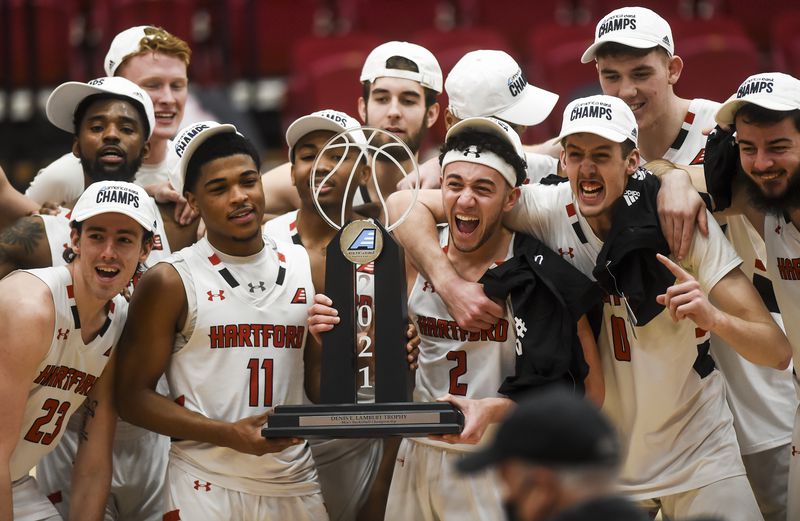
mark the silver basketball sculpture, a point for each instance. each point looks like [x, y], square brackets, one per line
[364, 139]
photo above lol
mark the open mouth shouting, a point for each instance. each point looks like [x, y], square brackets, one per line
[111, 155]
[466, 224]
[590, 191]
[106, 272]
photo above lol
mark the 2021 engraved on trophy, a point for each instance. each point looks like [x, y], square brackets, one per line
[366, 384]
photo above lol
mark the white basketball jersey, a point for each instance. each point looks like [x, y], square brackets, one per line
[675, 424]
[240, 354]
[66, 375]
[455, 361]
[284, 229]
[783, 265]
[57, 229]
[761, 399]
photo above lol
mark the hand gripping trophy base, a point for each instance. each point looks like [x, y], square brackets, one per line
[359, 242]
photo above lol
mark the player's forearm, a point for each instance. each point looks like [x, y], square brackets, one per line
[761, 342]
[496, 409]
[594, 384]
[418, 236]
[154, 412]
[89, 493]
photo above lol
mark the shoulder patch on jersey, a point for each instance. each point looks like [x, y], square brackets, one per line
[299, 296]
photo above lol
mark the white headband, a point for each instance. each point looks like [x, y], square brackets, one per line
[484, 157]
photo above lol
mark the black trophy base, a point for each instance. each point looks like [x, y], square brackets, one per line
[363, 420]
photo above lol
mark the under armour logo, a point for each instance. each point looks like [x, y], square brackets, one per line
[630, 196]
[198, 485]
[569, 252]
[778, 229]
[428, 286]
[795, 452]
[260, 286]
[472, 150]
[212, 295]
[62, 334]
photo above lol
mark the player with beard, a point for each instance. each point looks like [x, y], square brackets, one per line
[66, 321]
[111, 120]
[765, 114]
[223, 319]
[400, 84]
[156, 61]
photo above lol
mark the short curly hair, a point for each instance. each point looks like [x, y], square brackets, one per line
[161, 41]
[490, 143]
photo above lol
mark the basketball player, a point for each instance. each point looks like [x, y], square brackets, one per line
[490, 83]
[400, 83]
[225, 319]
[636, 62]
[765, 112]
[67, 321]
[156, 61]
[661, 386]
[483, 163]
[110, 119]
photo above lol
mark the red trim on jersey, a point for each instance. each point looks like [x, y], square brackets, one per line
[571, 210]
[699, 333]
[760, 265]
[689, 117]
[281, 257]
[172, 515]
[293, 225]
[55, 497]
[214, 259]
[70, 291]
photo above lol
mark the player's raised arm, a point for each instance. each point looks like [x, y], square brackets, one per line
[466, 301]
[20, 355]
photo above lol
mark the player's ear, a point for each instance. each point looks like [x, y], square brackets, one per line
[431, 115]
[74, 239]
[449, 119]
[632, 162]
[512, 196]
[362, 110]
[363, 174]
[674, 69]
[76, 148]
[191, 200]
[146, 150]
[147, 246]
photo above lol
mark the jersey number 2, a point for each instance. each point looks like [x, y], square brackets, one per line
[255, 388]
[460, 357]
[51, 408]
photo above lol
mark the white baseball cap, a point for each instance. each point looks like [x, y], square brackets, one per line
[331, 120]
[66, 97]
[484, 157]
[606, 116]
[116, 197]
[124, 44]
[771, 90]
[490, 83]
[429, 75]
[632, 26]
[187, 141]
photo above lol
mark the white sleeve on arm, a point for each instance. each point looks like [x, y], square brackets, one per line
[711, 258]
[540, 166]
[530, 213]
[61, 181]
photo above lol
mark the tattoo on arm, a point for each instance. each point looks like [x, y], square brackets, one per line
[89, 408]
[25, 233]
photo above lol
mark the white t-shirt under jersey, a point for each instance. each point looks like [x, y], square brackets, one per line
[62, 181]
[761, 399]
[66, 375]
[676, 426]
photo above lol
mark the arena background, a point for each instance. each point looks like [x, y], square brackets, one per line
[262, 63]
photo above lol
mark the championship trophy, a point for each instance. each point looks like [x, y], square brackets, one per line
[357, 366]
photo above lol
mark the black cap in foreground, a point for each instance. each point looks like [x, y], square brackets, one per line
[553, 428]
